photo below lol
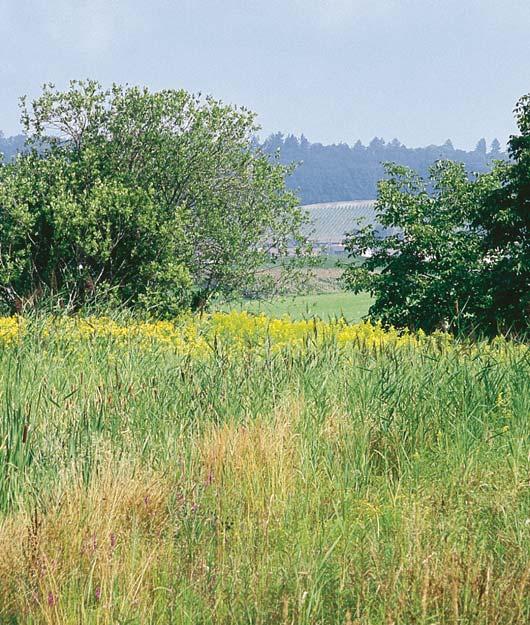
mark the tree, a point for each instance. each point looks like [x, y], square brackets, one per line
[78, 242]
[459, 252]
[167, 186]
[428, 271]
[495, 149]
[331, 173]
[504, 220]
[481, 147]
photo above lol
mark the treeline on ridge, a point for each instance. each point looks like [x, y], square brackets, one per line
[333, 173]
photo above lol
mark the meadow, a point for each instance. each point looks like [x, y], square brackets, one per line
[327, 306]
[323, 295]
[236, 469]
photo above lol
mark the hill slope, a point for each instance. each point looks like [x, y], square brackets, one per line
[333, 173]
[332, 220]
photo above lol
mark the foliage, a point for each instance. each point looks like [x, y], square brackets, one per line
[339, 172]
[322, 482]
[86, 242]
[504, 219]
[458, 254]
[159, 198]
[428, 271]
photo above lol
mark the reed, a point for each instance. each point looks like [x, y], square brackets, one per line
[261, 479]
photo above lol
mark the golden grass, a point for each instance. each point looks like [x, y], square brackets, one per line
[102, 541]
[257, 461]
[96, 552]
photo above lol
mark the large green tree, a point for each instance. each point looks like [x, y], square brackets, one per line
[503, 219]
[457, 250]
[160, 199]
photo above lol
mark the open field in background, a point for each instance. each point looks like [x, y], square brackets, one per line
[331, 221]
[322, 296]
[323, 305]
[233, 470]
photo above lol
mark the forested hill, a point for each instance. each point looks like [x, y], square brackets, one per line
[332, 173]
[9, 146]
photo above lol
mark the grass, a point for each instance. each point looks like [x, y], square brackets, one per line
[323, 305]
[326, 484]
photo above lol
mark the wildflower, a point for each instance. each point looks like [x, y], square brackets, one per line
[52, 599]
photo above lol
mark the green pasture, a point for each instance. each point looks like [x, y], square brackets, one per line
[323, 305]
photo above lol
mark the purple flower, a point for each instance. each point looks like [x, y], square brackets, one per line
[97, 593]
[52, 599]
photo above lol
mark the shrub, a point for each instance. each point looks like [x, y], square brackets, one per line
[459, 250]
[160, 199]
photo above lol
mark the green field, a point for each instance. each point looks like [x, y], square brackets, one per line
[378, 480]
[323, 305]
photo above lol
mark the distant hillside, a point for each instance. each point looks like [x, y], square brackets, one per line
[10, 146]
[334, 173]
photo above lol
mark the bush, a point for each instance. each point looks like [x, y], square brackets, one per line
[459, 251]
[158, 199]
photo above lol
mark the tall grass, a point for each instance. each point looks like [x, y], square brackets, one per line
[325, 485]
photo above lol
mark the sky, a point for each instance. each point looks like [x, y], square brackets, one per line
[335, 70]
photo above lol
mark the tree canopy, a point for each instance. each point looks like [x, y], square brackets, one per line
[158, 198]
[334, 173]
[460, 253]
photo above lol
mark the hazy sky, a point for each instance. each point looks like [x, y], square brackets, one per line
[336, 70]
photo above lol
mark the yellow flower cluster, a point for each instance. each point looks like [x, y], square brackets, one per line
[234, 331]
[243, 329]
[11, 329]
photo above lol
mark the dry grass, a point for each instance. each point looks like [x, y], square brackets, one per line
[257, 461]
[101, 542]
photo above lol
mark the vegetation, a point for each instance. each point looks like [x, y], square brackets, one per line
[235, 469]
[460, 253]
[156, 201]
[326, 306]
[334, 173]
